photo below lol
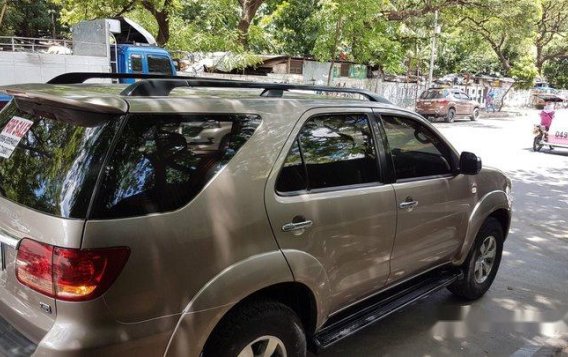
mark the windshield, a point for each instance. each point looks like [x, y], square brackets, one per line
[434, 94]
[49, 165]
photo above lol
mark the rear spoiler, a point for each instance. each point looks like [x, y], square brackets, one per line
[87, 111]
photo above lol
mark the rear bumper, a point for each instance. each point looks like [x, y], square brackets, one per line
[12, 342]
[432, 113]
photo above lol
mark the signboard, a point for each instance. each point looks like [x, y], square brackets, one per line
[558, 131]
[13, 132]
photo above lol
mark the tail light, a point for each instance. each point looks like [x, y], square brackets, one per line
[443, 101]
[68, 274]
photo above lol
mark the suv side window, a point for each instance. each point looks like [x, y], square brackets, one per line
[416, 151]
[161, 162]
[331, 150]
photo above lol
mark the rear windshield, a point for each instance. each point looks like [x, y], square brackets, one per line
[50, 165]
[161, 162]
[434, 94]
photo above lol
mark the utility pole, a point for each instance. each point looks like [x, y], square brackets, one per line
[433, 49]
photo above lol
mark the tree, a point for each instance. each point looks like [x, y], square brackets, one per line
[494, 21]
[556, 71]
[552, 28]
[161, 10]
[29, 18]
[248, 11]
[290, 27]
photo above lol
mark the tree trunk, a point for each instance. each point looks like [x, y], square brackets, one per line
[338, 28]
[503, 97]
[249, 9]
[162, 18]
[163, 28]
[539, 61]
[3, 11]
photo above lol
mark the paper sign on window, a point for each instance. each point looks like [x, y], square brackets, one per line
[13, 132]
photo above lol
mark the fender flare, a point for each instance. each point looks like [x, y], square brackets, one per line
[220, 294]
[238, 282]
[489, 203]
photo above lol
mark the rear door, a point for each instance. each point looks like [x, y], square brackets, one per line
[432, 202]
[326, 198]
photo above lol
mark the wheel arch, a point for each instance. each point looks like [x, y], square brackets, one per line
[493, 204]
[294, 295]
[265, 276]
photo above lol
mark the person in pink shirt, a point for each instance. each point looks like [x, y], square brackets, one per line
[546, 116]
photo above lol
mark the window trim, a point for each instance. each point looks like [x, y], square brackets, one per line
[381, 177]
[453, 154]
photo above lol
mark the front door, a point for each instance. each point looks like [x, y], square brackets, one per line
[326, 198]
[432, 202]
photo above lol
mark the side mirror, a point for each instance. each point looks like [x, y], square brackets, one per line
[470, 164]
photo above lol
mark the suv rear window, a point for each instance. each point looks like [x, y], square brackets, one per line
[434, 94]
[161, 162]
[54, 167]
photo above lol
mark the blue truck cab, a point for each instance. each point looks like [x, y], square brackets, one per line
[141, 59]
[4, 99]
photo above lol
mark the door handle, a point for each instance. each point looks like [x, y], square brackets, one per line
[291, 227]
[408, 204]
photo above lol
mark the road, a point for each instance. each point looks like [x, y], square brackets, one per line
[525, 312]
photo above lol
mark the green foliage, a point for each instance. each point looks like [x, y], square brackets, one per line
[289, 25]
[556, 71]
[506, 26]
[31, 18]
[524, 71]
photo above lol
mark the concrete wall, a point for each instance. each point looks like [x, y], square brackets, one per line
[22, 67]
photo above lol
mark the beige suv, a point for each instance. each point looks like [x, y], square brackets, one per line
[122, 235]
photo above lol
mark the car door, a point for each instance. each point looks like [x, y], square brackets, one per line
[460, 105]
[432, 201]
[468, 104]
[326, 198]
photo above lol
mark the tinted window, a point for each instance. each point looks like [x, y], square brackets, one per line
[416, 151]
[55, 165]
[434, 94]
[331, 151]
[136, 63]
[161, 162]
[159, 65]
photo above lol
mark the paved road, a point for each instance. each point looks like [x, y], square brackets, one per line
[525, 313]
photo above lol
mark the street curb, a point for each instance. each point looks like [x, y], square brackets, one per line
[501, 115]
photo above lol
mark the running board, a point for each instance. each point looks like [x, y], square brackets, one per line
[346, 323]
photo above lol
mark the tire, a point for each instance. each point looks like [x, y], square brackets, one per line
[536, 143]
[474, 114]
[451, 115]
[479, 277]
[256, 325]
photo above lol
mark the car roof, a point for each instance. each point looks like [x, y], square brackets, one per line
[190, 99]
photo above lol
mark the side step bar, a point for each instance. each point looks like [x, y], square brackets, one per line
[358, 317]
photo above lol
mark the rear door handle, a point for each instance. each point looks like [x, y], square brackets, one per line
[408, 204]
[291, 227]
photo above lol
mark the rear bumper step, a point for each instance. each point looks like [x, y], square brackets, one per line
[358, 317]
[13, 343]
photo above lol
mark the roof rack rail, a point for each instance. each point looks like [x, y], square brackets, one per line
[80, 77]
[162, 85]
